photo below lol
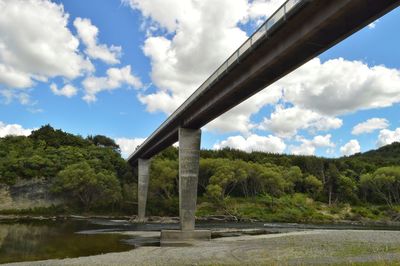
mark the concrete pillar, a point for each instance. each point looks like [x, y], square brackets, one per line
[143, 185]
[189, 155]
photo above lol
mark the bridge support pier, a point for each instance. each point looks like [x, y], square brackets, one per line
[189, 156]
[143, 186]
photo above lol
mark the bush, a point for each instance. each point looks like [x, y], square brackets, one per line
[80, 182]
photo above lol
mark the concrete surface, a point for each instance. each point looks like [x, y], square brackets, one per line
[189, 157]
[143, 186]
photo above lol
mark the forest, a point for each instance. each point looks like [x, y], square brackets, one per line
[90, 175]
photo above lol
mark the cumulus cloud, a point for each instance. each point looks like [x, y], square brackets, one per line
[254, 143]
[286, 122]
[340, 86]
[308, 147]
[350, 148]
[238, 118]
[116, 77]
[387, 137]
[199, 36]
[370, 126]
[128, 146]
[13, 129]
[260, 10]
[35, 44]
[191, 41]
[88, 33]
[67, 91]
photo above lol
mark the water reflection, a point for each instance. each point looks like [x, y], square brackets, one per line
[28, 241]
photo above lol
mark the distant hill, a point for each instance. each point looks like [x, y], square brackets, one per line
[386, 155]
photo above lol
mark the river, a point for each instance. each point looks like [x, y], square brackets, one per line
[32, 240]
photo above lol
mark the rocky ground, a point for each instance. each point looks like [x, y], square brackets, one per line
[337, 247]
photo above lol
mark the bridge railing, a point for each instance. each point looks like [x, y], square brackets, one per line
[265, 30]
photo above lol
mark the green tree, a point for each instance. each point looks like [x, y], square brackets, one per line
[347, 189]
[221, 179]
[103, 141]
[332, 175]
[164, 178]
[383, 184]
[80, 181]
[313, 186]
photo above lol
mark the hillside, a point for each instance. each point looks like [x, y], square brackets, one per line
[386, 155]
[54, 171]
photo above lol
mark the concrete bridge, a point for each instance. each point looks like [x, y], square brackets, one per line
[297, 32]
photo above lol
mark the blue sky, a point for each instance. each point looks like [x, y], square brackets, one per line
[119, 68]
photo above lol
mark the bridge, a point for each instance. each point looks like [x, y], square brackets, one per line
[297, 32]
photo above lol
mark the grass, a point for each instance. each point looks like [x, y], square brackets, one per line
[289, 208]
[294, 208]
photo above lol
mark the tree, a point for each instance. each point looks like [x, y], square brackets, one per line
[347, 189]
[313, 186]
[383, 184]
[103, 141]
[57, 138]
[332, 175]
[295, 177]
[164, 178]
[272, 182]
[223, 176]
[82, 182]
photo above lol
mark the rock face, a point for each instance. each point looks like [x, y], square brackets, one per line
[27, 194]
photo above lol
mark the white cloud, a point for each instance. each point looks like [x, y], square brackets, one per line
[286, 122]
[116, 77]
[88, 33]
[198, 36]
[350, 148]
[339, 86]
[308, 147]
[259, 10]
[186, 45]
[387, 137]
[128, 146]
[238, 118]
[187, 40]
[67, 91]
[373, 24]
[254, 143]
[370, 125]
[35, 44]
[13, 129]
[204, 33]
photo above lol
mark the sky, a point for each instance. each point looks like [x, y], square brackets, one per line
[120, 67]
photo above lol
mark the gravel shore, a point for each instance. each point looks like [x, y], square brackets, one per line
[339, 247]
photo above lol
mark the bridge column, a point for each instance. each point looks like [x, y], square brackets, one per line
[189, 156]
[143, 185]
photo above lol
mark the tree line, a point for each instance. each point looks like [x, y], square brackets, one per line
[89, 173]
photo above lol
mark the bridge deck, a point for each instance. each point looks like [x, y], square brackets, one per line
[297, 32]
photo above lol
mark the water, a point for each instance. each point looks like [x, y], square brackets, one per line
[40, 240]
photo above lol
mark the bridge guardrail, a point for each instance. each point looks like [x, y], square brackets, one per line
[267, 28]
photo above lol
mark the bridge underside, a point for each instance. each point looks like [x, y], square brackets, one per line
[316, 27]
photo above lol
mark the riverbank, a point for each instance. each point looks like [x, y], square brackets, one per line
[201, 219]
[338, 247]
